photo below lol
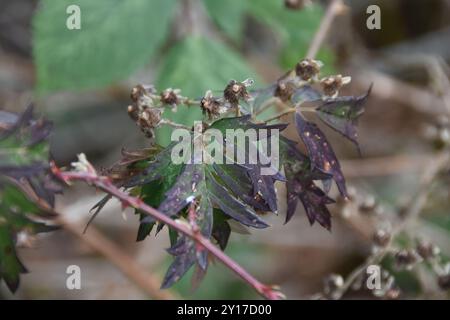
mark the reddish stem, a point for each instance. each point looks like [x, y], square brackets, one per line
[105, 184]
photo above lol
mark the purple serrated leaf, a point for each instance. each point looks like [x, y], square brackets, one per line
[320, 151]
[342, 113]
[184, 190]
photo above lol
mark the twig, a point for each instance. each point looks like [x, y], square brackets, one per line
[384, 166]
[333, 10]
[89, 175]
[417, 203]
[98, 242]
[174, 124]
[388, 88]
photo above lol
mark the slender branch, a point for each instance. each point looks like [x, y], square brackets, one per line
[415, 207]
[333, 10]
[174, 124]
[148, 282]
[88, 174]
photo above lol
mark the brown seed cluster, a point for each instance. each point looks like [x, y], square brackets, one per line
[210, 105]
[170, 97]
[308, 69]
[284, 90]
[142, 111]
[427, 250]
[405, 258]
[332, 84]
[444, 282]
[235, 91]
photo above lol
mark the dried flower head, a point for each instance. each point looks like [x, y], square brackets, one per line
[141, 95]
[133, 112]
[381, 238]
[427, 250]
[235, 91]
[406, 258]
[332, 283]
[284, 90]
[308, 69]
[148, 120]
[170, 97]
[444, 282]
[211, 106]
[332, 84]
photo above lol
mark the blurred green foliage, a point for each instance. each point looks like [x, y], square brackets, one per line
[119, 37]
[195, 65]
[116, 39]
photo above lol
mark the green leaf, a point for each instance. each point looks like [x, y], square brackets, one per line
[295, 29]
[116, 38]
[228, 15]
[196, 65]
[23, 158]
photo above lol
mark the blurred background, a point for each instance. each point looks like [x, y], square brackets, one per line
[81, 79]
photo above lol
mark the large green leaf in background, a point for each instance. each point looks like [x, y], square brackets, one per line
[228, 15]
[194, 65]
[116, 38]
[294, 29]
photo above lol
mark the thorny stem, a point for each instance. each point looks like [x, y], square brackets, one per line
[412, 213]
[97, 241]
[89, 175]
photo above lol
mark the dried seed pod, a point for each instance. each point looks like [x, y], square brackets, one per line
[140, 91]
[211, 106]
[235, 91]
[332, 84]
[133, 112]
[368, 204]
[308, 69]
[444, 282]
[427, 250]
[406, 258]
[332, 283]
[148, 120]
[381, 238]
[170, 97]
[284, 90]
[393, 293]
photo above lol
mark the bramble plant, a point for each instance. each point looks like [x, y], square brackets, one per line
[199, 200]
[220, 156]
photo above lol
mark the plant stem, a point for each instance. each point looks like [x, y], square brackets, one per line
[412, 213]
[174, 124]
[289, 111]
[333, 9]
[104, 183]
[280, 115]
